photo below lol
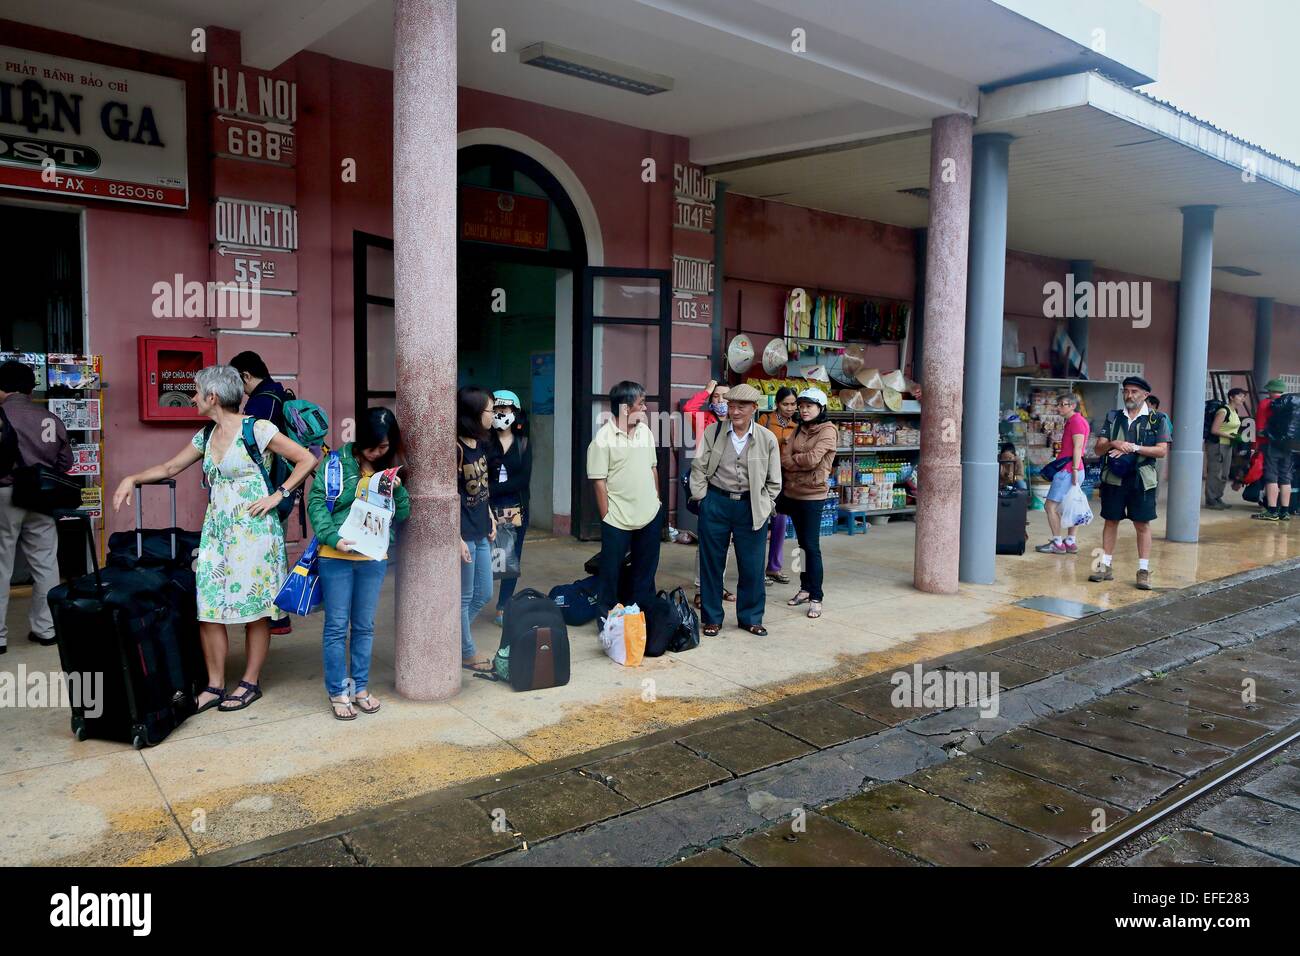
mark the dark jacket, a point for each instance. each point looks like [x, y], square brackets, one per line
[29, 422]
[518, 463]
[267, 402]
[326, 524]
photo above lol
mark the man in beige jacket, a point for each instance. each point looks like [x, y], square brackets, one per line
[736, 477]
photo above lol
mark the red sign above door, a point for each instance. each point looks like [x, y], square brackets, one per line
[502, 218]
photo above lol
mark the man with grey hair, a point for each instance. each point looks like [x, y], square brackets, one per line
[1069, 465]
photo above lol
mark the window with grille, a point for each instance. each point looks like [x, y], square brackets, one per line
[1292, 382]
[1118, 371]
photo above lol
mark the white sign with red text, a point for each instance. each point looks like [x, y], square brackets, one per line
[91, 131]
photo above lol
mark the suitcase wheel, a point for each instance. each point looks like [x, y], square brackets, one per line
[79, 728]
[138, 741]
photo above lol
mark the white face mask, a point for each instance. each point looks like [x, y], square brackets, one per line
[503, 420]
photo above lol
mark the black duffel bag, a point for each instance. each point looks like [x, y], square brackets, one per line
[43, 490]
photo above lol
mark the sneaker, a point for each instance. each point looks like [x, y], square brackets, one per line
[1107, 573]
[1051, 547]
[1072, 548]
[43, 641]
[1284, 516]
[1144, 581]
[1265, 516]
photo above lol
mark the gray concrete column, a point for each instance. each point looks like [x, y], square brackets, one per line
[986, 285]
[424, 262]
[1191, 359]
[1077, 326]
[1263, 344]
[938, 513]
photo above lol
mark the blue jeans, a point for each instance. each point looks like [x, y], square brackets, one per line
[508, 584]
[350, 593]
[475, 590]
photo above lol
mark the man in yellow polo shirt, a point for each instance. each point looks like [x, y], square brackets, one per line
[622, 465]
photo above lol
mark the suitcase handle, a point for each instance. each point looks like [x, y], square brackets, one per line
[74, 514]
[139, 515]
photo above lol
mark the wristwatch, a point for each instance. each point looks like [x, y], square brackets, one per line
[285, 493]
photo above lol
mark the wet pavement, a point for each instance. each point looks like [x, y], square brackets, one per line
[1096, 719]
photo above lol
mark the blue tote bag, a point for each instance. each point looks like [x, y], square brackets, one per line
[301, 592]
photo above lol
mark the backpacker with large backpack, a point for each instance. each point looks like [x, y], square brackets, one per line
[1284, 421]
[534, 652]
[1212, 407]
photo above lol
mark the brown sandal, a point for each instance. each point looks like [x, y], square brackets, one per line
[342, 702]
[711, 630]
[758, 630]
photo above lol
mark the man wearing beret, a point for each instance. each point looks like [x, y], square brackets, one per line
[736, 477]
[1131, 442]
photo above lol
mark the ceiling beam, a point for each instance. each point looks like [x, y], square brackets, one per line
[291, 26]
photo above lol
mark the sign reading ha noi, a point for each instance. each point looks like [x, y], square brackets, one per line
[506, 219]
[91, 131]
[254, 116]
[255, 225]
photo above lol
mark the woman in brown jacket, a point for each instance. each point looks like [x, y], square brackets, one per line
[806, 462]
[782, 422]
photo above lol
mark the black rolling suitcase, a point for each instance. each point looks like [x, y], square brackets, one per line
[1013, 520]
[137, 627]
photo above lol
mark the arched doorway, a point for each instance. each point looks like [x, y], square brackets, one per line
[522, 244]
[532, 316]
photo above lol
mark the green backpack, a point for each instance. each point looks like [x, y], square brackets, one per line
[305, 422]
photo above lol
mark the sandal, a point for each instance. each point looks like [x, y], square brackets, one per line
[758, 630]
[361, 701]
[803, 597]
[698, 602]
[711, 630]
[728, 596]
[337, 703]
[221, 695]
[814, 608]
[253, 692]
[478, 667]
[779, 577]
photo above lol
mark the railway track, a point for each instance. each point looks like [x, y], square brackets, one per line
[1131, 828]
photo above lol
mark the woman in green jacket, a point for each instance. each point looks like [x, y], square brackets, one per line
[350, 581]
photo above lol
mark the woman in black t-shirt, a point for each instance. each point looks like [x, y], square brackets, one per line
[477, 525]
[510, 470]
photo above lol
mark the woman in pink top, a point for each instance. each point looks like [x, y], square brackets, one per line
[1073, 440]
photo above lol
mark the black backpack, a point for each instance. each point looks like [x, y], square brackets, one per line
[1284, 421]
[1212, 406]
[536, 642]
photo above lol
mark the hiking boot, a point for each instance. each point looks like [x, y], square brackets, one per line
[1144, 581]
[1107, 573]
[1052, 547]
[1265, 516]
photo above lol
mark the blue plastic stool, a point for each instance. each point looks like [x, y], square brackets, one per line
[853, 517]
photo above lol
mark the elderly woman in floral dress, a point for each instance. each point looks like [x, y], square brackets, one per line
[241, 563]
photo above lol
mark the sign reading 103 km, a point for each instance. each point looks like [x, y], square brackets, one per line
[91, 131]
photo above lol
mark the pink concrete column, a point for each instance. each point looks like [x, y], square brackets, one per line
[938, 513]
[424, 262]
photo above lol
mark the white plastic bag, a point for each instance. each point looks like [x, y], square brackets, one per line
[1075, 512]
